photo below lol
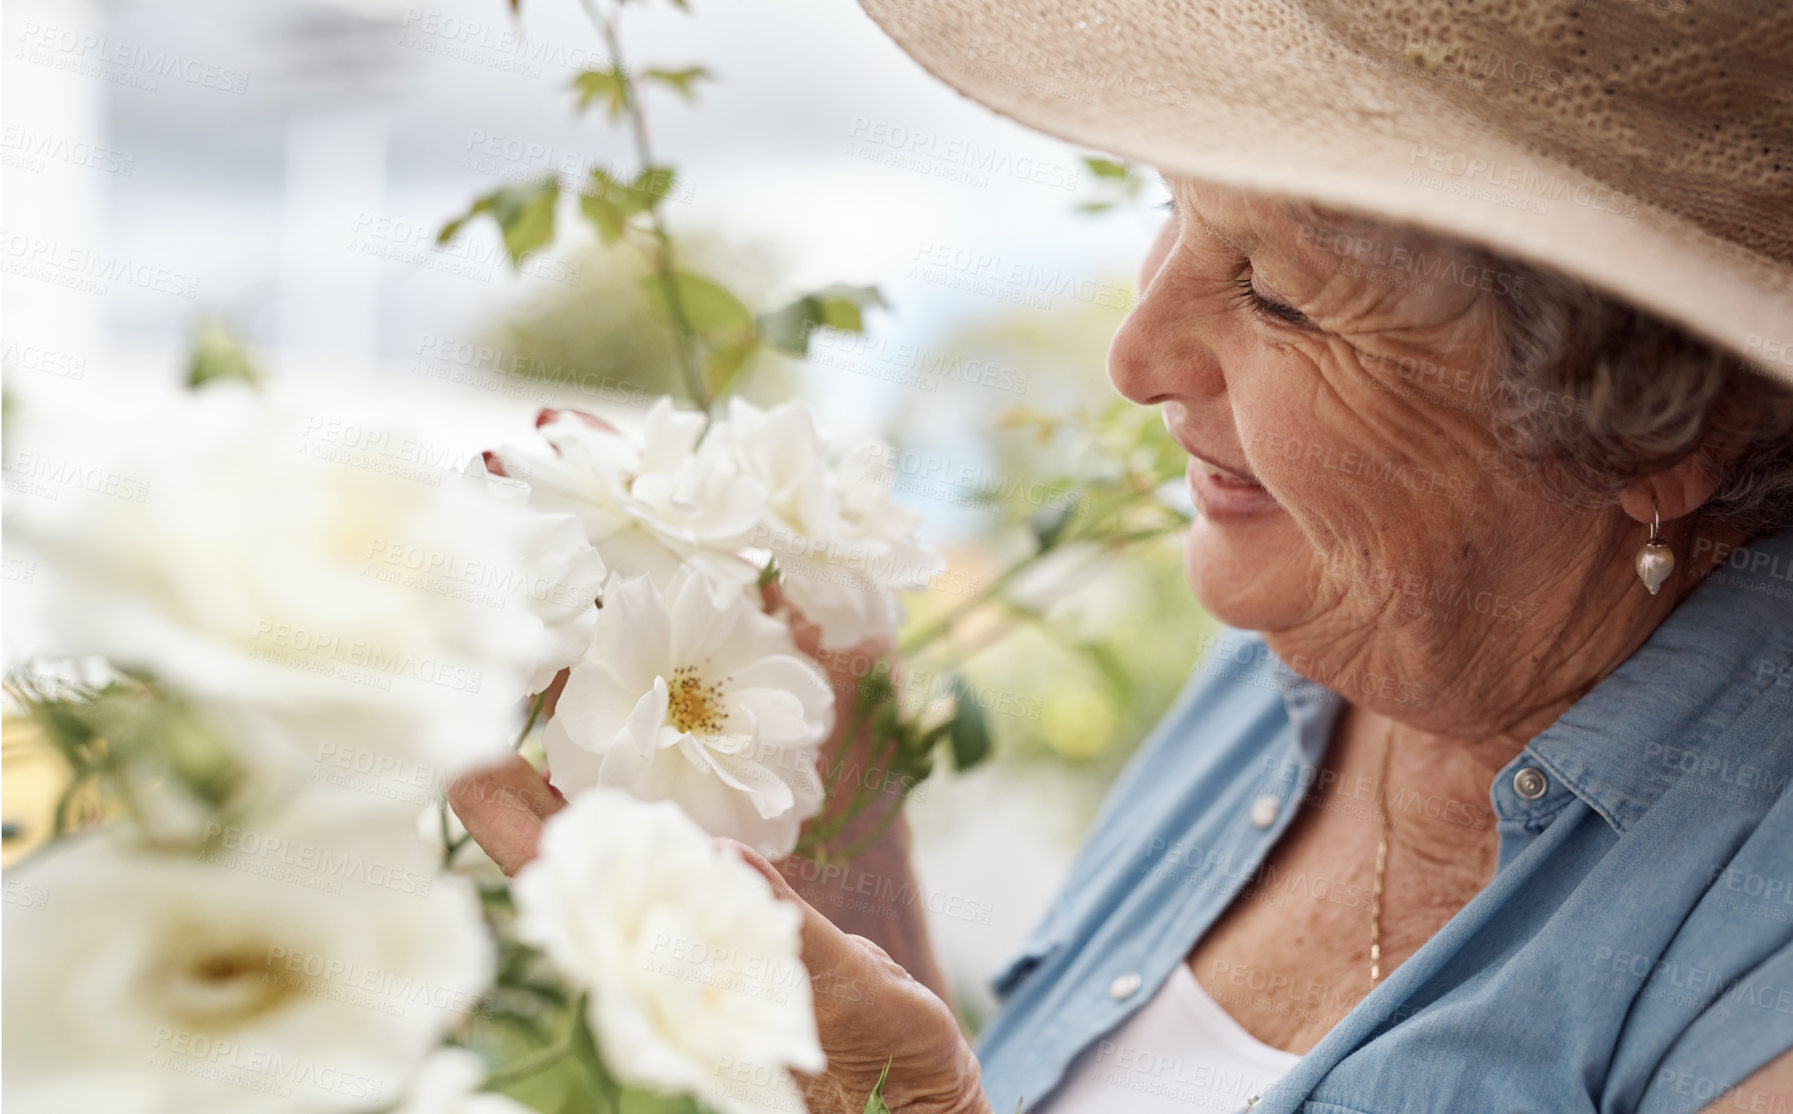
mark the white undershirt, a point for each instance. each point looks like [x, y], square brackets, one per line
[1180, 1052]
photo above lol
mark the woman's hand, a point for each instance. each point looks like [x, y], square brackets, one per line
[868, 1009]
[869, 1012]
[503, 809]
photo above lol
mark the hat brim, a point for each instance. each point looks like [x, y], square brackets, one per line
[1242, 102]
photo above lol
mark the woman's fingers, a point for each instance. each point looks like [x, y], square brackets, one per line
[503, 808]
[825, 947]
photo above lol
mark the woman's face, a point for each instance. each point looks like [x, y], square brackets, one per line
[1332, 388]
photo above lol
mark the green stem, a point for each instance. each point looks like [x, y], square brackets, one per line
[662, 258]
[542, 1058]
[535, 713]
[944, 625]
[860, 846]
[59, 823]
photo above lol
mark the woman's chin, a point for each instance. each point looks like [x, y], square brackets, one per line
[1247, 583]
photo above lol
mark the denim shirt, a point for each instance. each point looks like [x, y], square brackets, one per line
[1633, 951]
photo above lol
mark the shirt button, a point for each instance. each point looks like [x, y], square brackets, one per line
[1124, 987]
[1530, 783]
[1263, 812]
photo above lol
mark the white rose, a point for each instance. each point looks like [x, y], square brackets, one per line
[562, 576]
[308, 964]
[690, 962]
[651, 502]
[696, 696]
[842, 547]
[332, 605]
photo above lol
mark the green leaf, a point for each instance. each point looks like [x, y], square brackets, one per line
[605, 215]
[525, 217]
[609, 85]
[1113, 670]
[453, 228]
[219, 356]
[836, 307]
[874, 1102]
[706, 305]
[1108, 168]
[726, 361]
[680, 81]
[608, 204]
[970, 732]
[1048, 524]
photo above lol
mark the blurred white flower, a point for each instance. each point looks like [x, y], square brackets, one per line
[562, 576]
[308, 964]
[692, 965]
[696, 696]
[842, 547]
[313, 581]
[650, 502]
[448, 1083]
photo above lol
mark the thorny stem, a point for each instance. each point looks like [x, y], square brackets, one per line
[661, 257]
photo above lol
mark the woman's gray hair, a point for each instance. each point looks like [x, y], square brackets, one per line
[1646, 395]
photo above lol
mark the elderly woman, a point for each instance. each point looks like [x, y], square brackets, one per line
[1482, 804]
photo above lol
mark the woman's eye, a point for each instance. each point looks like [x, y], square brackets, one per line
[1265, 308]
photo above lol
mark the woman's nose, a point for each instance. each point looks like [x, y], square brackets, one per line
[1163, 349]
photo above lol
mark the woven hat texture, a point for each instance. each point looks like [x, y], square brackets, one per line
[1642, 146]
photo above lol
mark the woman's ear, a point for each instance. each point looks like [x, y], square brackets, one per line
[1671, 493]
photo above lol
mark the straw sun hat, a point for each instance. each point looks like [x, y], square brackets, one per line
[1644, 147]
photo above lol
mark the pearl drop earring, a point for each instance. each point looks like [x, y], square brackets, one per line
[1655, 561]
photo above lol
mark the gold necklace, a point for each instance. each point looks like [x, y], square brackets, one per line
[1381, 864]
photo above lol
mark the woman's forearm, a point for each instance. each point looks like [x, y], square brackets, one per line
[875, 895]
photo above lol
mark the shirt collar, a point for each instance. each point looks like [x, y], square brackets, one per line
[1721, 649]
[1621, 745]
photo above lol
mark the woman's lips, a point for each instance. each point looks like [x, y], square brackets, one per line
[1221, 493]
